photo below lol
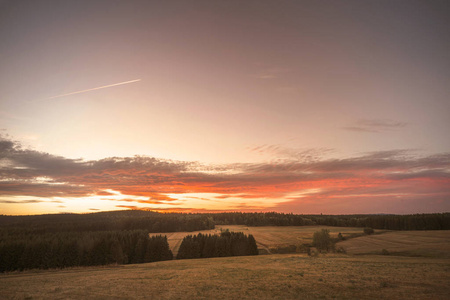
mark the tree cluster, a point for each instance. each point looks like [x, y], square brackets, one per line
[226, 244]
[70, 249]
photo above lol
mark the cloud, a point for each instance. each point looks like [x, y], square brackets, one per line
[375, 125]
[21, 201]
[147, 201]
[284, 153]
[271, 73]
[285, 184]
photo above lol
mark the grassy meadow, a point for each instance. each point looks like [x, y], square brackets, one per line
[434, 243]
[289, 276]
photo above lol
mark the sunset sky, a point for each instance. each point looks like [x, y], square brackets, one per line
[334, 107]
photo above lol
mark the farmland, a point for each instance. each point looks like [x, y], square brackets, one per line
[407, 243]
[267, 237]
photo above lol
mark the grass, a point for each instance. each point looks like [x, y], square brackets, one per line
[402, 243]
[291, 276]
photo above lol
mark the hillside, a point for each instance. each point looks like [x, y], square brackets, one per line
[408, 243]
[292, 276]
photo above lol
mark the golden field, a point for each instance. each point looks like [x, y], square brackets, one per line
[408, 243]
[289, 276]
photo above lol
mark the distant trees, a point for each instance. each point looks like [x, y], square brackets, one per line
[439, 221]
[157, 222]
[226, 244]
[105, 221]
[260, 219]
[71, 249]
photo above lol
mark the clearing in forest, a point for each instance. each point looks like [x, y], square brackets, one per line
[267, 237]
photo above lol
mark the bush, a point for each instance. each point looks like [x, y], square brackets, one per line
[322, 240]
[341, 250]
[384, 252]
[368, 230]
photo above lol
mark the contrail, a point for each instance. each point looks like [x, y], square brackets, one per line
[93, 89]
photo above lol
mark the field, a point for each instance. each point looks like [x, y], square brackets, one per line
[407, 243]
[267, 237]
[290, 276]
[418, 267]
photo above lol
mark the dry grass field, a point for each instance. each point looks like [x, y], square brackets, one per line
[287, 276]
[408, 243]
[290, 276]
[266, 237]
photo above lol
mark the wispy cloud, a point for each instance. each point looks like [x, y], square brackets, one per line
[279, 151]
[21, 201]
[28, 201]
[375, 125]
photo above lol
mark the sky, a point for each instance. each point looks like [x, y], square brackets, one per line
[309, 107]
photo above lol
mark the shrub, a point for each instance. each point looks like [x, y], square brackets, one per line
[368, 230]
[308, 250]
[384, 252]
[341, 250]
[322, 240]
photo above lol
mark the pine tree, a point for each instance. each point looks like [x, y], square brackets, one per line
[252, 247]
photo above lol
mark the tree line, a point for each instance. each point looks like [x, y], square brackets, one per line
[172, 222]
[70, 249]
[437, 221]
[104, 221]
[226, 244]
